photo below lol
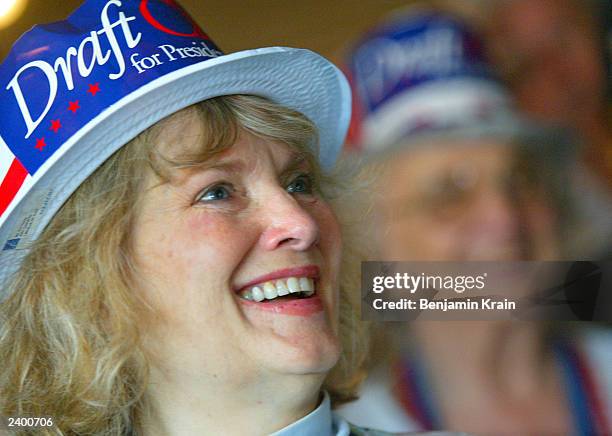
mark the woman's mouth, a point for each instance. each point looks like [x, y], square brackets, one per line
[286, 288]
[290, 291]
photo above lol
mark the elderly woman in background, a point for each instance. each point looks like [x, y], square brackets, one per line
[183, 270]
[459, 176]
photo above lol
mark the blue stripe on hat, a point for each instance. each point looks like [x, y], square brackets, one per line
[59, 76]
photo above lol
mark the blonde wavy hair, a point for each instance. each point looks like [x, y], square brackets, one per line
[70, 332]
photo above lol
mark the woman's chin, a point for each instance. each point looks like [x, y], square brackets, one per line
[305, 361]
[305, 344]
[312, 355]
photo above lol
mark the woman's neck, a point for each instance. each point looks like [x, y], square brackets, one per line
[188, 405]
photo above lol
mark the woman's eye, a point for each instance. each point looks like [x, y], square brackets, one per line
[215, 193]
[301, 184]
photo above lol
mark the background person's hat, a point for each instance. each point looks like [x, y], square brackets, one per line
[75, 91]
[422, 76]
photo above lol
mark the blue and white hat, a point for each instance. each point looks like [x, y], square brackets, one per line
[73, 92]
[424, 75]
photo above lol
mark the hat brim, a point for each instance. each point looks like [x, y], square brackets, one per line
[295, 78]
[550, 142]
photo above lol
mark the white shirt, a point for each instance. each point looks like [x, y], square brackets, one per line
[321, 421]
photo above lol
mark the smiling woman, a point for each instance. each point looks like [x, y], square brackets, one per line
[172, 253]
[131, 312]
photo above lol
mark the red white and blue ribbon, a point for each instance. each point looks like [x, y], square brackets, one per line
[586, 403]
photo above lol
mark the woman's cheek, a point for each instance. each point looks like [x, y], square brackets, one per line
[331, 226]
[331, 238]
[213, 229]
[209, 224]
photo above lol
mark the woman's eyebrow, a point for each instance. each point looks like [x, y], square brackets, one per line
[297, 160]
[230, 166]
[184, 175]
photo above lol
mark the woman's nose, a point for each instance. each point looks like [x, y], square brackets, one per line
[287, 223]
[496, 214]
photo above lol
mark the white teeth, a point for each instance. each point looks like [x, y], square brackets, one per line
[293, 284]
[270, 291]
[306, 284]
[281, 288]
[258, 294]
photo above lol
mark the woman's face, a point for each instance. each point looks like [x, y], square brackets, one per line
[464, 200]
[247, 225]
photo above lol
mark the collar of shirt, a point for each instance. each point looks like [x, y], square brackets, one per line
[320, 421]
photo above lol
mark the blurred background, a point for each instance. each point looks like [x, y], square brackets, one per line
[321, 25]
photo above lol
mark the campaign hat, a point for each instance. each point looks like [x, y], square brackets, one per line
[422, 76]
[73, 92]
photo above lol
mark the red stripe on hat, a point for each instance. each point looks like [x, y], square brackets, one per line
[353, 136]
[10, 185]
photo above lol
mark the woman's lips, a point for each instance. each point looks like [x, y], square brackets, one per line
[297, 306]
[311, 271]
[290, 291]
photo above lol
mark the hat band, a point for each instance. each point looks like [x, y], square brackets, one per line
[433, 107]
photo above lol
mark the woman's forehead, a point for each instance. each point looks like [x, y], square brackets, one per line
[425, 157]
[250, 151]
[247, 154]
[201, 137]
[182, 132]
